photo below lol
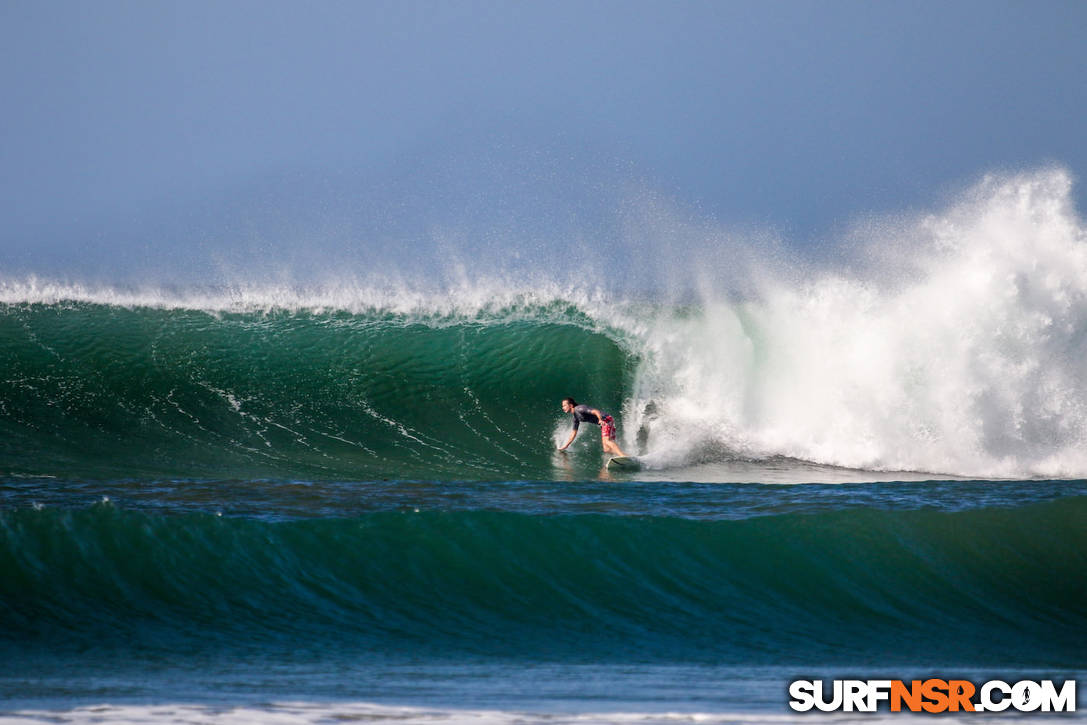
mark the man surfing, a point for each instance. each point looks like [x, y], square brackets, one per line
[585, 414]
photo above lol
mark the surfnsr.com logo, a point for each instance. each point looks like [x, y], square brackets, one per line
[932, 695]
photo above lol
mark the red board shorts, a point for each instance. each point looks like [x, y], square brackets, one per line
[607, 428]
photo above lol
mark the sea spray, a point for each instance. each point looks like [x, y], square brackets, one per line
[962, 353]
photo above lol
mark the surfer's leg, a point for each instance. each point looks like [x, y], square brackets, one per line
[610, 446]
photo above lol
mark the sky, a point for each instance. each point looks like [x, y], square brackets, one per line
[182, 126]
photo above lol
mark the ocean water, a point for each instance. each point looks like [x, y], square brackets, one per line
[277, 502]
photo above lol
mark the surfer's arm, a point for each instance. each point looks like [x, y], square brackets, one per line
[573, 435]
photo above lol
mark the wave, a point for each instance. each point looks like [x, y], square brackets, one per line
[949, 343]
[998, 586]
[129, 391]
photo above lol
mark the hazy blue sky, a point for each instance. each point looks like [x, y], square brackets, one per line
[119, 117]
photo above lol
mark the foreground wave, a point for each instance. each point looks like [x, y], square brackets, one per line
[992, 586]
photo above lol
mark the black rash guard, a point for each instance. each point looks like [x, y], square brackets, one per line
[582, 413]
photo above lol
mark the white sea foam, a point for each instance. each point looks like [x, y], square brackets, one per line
[303, 713]
[958, 346]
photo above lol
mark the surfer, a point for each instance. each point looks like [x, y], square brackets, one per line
[585, 414]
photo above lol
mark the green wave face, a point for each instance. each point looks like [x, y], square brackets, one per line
[986, 586]
[102, 391]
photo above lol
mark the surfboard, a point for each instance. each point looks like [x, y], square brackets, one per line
[624, 463]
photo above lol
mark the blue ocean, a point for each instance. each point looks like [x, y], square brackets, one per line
[274, 501]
